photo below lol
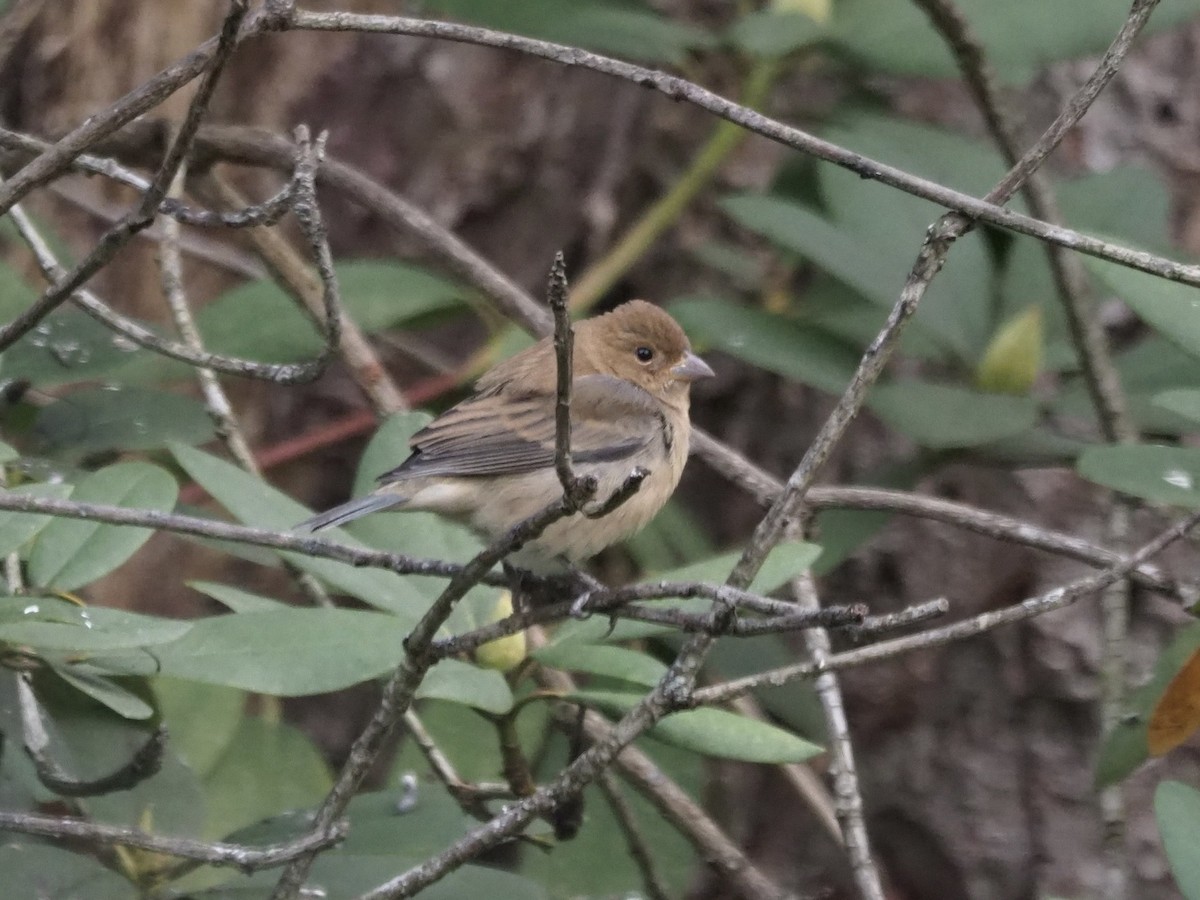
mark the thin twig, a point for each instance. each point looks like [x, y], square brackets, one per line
[401, 687]
[283, 373]
[216, 401]
[465, 794]
[578, 490]
[218, 253]
[290, 271]
[144, 763]
[1038, 605]
[112, 240]
[938, 241]
[848, 801]
[248, 859]
[635, 840]
[681, 89]
[674, 803]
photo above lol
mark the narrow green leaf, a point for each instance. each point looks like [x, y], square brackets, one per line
[1126, 747]
[235, 598]
[1152, 472]
[461, 682]
[1021, 36]
[1183, 402]
[605, 27]
[267, 768]
[377, 295]
[254, 502]
[120, 418]
[946, 417]
[1177, 808]
[602, 659]
[287, 652]
[775, 343]
[1170, 308]
[69, 553]
[104, 690]
[51, 624]
[17, 528]
[713, 732]
[201, 718]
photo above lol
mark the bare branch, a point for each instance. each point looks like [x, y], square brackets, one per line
[398, 692]
[115, 238]
[248, 859]
[639, 849]
[848, 802]
[680, 89]
[144, 763]
[938, 241]
[1034, 606]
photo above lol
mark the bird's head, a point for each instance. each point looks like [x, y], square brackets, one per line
[640, 343]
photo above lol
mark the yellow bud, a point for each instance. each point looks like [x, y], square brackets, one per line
[1014, 357]
[506, 653]
[817, 10]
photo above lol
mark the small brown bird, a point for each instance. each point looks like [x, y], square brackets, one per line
[489, 461]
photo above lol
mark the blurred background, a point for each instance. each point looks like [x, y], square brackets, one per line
[977, 759]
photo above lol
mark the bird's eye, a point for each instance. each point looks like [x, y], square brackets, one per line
[644, 354]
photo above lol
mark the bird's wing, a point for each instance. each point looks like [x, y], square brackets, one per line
[506, 434]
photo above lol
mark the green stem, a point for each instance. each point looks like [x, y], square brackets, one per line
[726, 138]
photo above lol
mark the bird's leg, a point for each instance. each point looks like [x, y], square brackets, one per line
[530, 589]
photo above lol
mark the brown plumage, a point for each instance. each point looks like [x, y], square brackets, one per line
[489, 461]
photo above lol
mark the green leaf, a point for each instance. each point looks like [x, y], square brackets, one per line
[70, 553]
[945, 417]
[103, 690]
[7, 453]
[376, 295]
[1172, 309]
[287, 652]
[1021, 36]
[236, 599]
[35, 870]
[873, 260]
[120, 418]
[596, 862]
[69, 346]
[201, 718]
[1177, 808]
[602, 659]
[17, 528]
[266, 768]
[47, 623]
[1152, 472]
[1014, 357]
[461, 682]
[713, 732]
[772, 33]
[381, 843]
[772, 342]
[1126, 747]
[255, 502]
[593, 24]
[1184, 402]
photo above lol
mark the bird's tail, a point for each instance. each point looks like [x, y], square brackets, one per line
[351, 510]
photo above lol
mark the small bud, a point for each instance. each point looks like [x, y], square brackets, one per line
[506, 653]
[1014, 357]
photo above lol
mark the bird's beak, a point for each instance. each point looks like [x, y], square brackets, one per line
[692, 368]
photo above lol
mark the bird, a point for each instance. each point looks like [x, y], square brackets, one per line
[489, 461]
